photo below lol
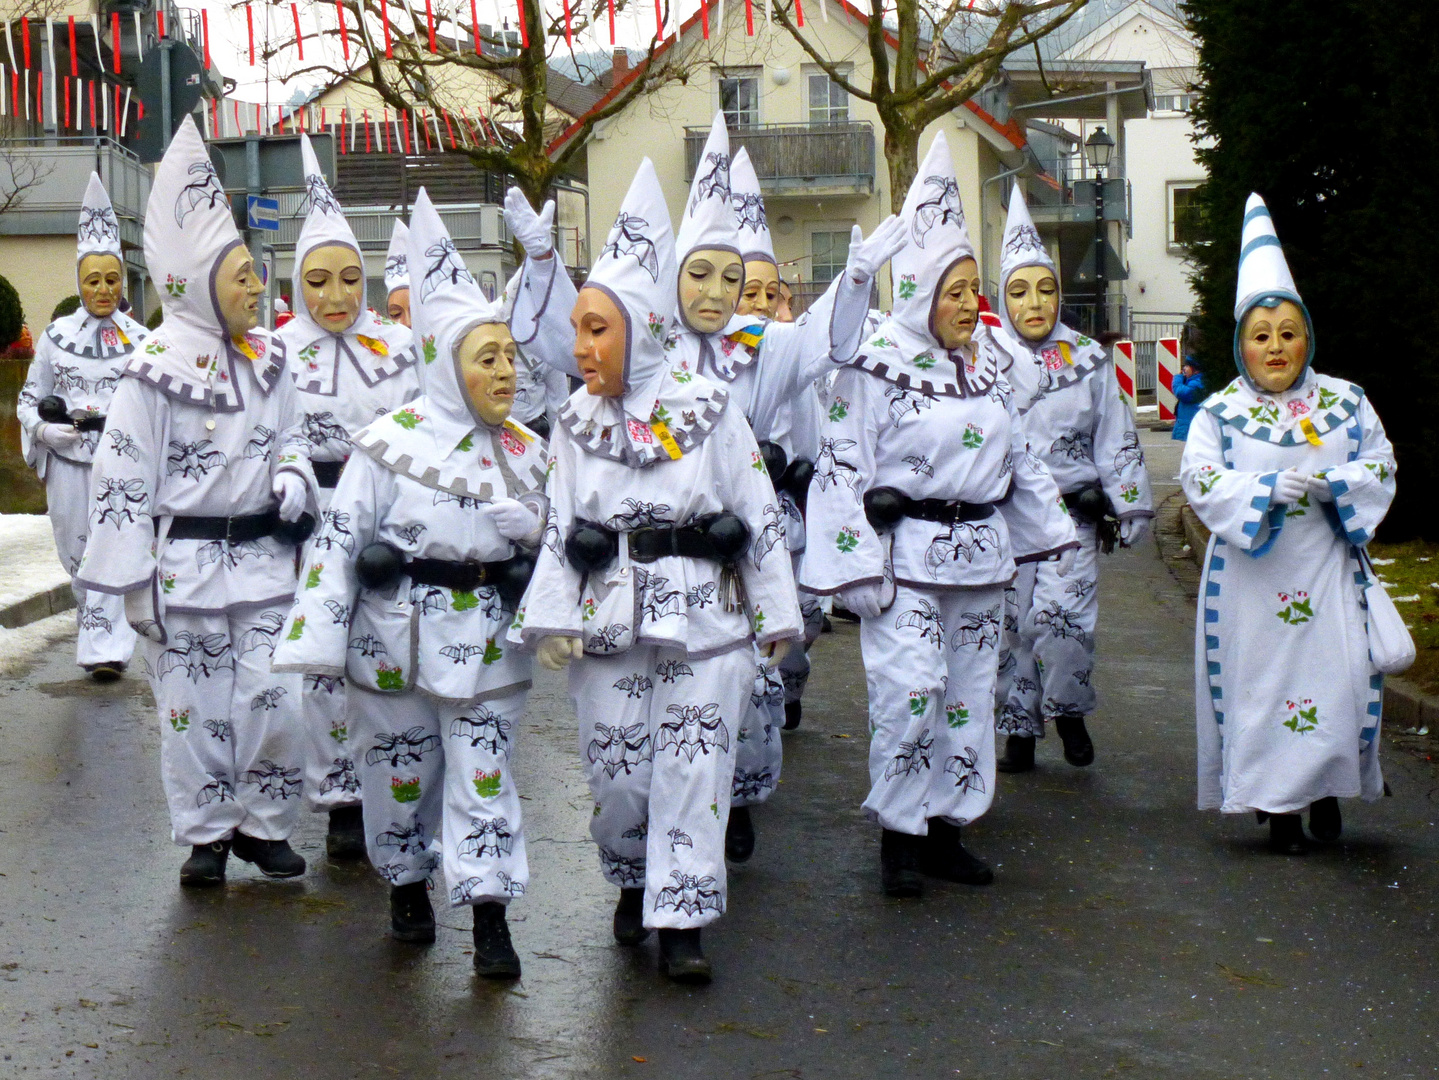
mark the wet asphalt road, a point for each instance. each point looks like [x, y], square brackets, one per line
[1127, 935]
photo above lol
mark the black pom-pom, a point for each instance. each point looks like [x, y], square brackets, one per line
[728, 535]
[775, 459]
[295, 532]
[590, 548]
[884, 506]
[53, 411]
[1089, 503]
[796, 478]
[379, 565]
[512, 579]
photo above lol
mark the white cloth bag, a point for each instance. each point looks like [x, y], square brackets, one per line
[1391, 647]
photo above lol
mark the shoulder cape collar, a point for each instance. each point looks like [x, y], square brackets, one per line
[1066, 359]
[82, 334]
[200, 368]
[687, 409]
[378, 348]
[930, 370]
[724, 355]
[1326, 402]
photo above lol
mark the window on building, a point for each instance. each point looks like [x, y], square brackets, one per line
[829, 251]
[828, 103]
[1180, 103]
[739, 100]
[1186, 217]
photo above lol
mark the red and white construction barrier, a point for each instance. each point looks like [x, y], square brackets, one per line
[1124, 370]
[1166, 355]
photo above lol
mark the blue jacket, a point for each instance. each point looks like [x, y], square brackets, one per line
[1189, 393]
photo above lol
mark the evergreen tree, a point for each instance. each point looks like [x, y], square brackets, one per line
[12, 316]
[1331, 113]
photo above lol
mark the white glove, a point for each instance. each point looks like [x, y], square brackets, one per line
[1290, 486]
[58, 436]
[1318, 486]
[866, 601]
[1132, 530]
[774, 653]
[555, 653]
[140, 614]
[292, 493]
[514, 520]
[1064, 561]
[867, 256]
[535, 232]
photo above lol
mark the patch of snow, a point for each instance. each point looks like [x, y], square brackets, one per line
[19, 646]
[1405, 599]
[1382, 562]
[28, 563]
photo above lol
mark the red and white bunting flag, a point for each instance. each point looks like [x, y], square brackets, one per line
[299, 34]
[74, 52]
[344, 30]
[250, 30]
[125, 112]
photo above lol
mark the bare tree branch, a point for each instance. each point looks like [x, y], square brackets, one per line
[19, 172]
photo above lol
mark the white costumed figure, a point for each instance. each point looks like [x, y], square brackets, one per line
[924, 498]
[397, 274]
[410, 586]
[349, 367]
[62, 409]
[200, 487]
[1083, 431]
[658, 574]
[1292, 473]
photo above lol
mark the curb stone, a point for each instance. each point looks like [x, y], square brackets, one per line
[37, 607]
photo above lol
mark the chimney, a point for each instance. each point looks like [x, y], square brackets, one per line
[621, 66]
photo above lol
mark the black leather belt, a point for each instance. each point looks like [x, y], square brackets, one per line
[721, 537]
[465, 576]
[90, 423]
[327, 473]
[242, 529]
[885, 506]
[380, 565]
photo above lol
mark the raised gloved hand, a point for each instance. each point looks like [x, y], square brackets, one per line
[774, 653]
[866, 601]
[556, 652]
[1319, 487]
[1064, 561]
[1132, 530]
[514, 520]
[867, 256]
[290, 489]
[535, 232]
[1290, 486]
[141, 615]
[58, 436]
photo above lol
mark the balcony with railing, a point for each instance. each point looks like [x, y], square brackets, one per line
[800, 159]
[57, 171]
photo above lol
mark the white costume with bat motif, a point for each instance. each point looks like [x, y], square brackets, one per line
[666, 672]
[936, 424]
[199, 427]
[436, 692]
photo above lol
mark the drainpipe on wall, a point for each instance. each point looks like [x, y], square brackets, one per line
[984, 208]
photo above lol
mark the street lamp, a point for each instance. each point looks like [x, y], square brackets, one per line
[1098, 148]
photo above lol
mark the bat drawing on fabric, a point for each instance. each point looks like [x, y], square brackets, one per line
[1082, 676]
[655, 600]
[749, 785]
[679, 838]
[121, 443]
[92, 617]
[483, 727]
[749, 209]
[219, 789]
[639, 832]
[392, 872]
[690, 894]
[488, 837]
[509, 884]
[619, 748]
[275, 781]
[965, 769]
[369, 645]
[960, 538]
[627, 238]
[715, 181]
[445, 268]
[624, 870]
[1081, 588]
[903, 401]
[466, 891]
[120, 501]
[335, 533]
[1074, 446]
[912, 756]
[327, 683]
[406, 839]
[701, 596]
[461, 652]
[919, 465]
[410, 534]
[259, 446]
[1011, 620]
[1025, 685]
[1062, 622]
[830, 469]
[1023, 238]
[672, 670]
[318, 196]
[205, 190]
[109, 382]
[768, 688]
[402, 747]
[341, 776]
[261, 637]
[641, 514]
[607, 638]
[216, 551]
[1129, 453]
[339, 612]
[977, 628]
[219, 729]
[397, 265]
[466, 502]
[198, 654]
[769, 536]
[938, 209]
[266, 700]
[67, 378]
[696, 729]
[634, 685]
[321, 428]
[98, 225]
[926, 619]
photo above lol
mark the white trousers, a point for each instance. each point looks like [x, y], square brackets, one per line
[331, 778]
[102, 632]
[438, 789]
[1049, 631]
[930, 661]
[659, 755]
[230, 742]
[759, 754]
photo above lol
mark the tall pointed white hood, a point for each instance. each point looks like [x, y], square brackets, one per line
[1264, 274]
[709, 219]
[1021, 247]
[99, 230]
[80, 333]
[397, 258]
[755, 242]
[937, 239]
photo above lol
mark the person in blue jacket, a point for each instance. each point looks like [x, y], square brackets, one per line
[1189, 391]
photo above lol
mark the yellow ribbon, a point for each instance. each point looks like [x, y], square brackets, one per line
[244, 346]
[513, 428]
[123, 338]
[1064, 352]
[1306, 425]
[379, 348]
[662, 432]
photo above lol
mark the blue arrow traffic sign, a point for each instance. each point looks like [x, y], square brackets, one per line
[263, 213]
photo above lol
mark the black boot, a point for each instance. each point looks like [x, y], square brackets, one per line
[1078, 750]
[495, 956]
[1286, 834]
[793, 710]
[1018, 754]
[206, 865]
[899, 864]
[273, 858]
[630, 926]
[345, 841]
[739, 835]
[942, 855]
[107, 671]
[1325, 824]
[412, 918]
[682, 959]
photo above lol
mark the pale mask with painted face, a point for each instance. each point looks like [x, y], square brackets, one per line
[1032, 300]
[238, 289]
[101, 280]
[599, 343]
[709, 290]
[782, 310]
[1274, 343]
[333, 281]
[487, 365]
[761, 290]
[956, 305]
[399, 306]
